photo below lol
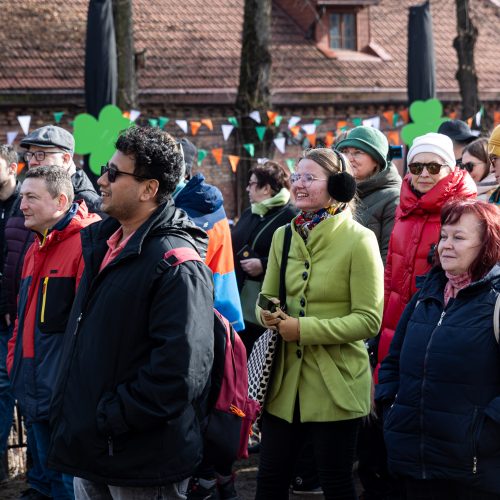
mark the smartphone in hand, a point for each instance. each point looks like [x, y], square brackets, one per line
[266, 303]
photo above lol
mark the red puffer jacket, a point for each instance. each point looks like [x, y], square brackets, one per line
[415, 232]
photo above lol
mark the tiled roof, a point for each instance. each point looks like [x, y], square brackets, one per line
[193, 46]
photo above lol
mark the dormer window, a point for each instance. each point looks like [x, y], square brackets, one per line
[343, 34]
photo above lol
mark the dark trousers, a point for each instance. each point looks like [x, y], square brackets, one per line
[250, 334]
[444, 489]
[334, 445]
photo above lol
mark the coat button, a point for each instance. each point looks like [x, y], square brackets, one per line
[299, 353]
[306, 264]
[304, 275]
[302, 302]
[302, 313]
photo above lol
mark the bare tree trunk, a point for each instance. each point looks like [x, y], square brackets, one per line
[126, 98]
[253, 90]
[464, 45]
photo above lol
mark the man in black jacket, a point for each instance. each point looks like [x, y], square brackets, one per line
[139, 342]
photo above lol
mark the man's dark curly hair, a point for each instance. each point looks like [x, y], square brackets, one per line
[156, 156]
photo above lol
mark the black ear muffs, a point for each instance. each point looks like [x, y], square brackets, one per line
[342, 186]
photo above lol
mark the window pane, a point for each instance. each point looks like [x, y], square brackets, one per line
[349, 34]
[335, 40]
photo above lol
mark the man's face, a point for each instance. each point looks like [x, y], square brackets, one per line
[6, 170]
[52, 156]
[121, 198]
[40, 210]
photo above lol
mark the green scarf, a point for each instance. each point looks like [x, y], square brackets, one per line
[278, 200]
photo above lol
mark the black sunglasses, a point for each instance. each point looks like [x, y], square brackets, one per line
[113, 172]
[469, 166]
[432, 167]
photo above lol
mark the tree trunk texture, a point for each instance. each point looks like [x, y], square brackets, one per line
[126, 98]
[253, 89]
[466, 75]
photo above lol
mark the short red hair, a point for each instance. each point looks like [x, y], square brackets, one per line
[488, 215]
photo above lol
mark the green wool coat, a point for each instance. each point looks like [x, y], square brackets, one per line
[334, 285]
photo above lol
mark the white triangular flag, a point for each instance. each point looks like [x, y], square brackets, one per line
[261, 161]
[24, 121]
[226, 130]
[255, 116]
[309, 129]
[10, 137]
[134, 114]
[280, 144]
[372, 122]
[478, 118]
[183, 124]
[293, 121]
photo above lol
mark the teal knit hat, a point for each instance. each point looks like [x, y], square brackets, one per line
[370, 140]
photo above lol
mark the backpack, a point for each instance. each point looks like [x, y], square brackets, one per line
[231, 412]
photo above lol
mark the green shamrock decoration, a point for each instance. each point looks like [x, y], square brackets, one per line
[427, 116]
[97, 137]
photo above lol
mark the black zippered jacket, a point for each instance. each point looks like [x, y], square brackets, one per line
[136, 360]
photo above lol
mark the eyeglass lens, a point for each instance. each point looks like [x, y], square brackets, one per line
[39, 155]
[112, 172]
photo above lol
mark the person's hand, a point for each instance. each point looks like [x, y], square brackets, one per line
[271, 319]
[253, 267]
[289, 329]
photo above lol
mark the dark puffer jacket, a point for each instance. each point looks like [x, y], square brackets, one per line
[443, 374]
[136, 359]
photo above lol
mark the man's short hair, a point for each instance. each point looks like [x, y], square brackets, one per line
[8, 153]
[57, 180]
[156, 156]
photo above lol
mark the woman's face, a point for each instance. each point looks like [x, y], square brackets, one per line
[311, 196]
[424, 182]
[460, 244]
[257, 194]
[363, 165]
[480, 169]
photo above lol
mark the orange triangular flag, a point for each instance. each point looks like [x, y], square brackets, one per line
[234, 160]
[208, 123]
[404, 115]
[195, 126]
[496, 118]
[341, 124]
[453, 115]
[271, 115]
[295, 130]
[393, 137]
[329, 138]
[126, 114]
[389, 116]
[312, 139]
[469, 122]
[20, 167]
[217, 154]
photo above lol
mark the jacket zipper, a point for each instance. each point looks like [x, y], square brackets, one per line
[475, 427]
[44, 298]
[424, 472]
[110, 446]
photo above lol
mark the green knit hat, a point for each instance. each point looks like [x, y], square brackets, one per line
[370, 140]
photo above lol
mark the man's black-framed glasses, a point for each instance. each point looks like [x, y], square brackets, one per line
[113, 172]
[40, 155]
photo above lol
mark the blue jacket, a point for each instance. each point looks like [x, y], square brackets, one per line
[204, 205]
[443, 374]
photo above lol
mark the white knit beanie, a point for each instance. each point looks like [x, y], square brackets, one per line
[439, 144]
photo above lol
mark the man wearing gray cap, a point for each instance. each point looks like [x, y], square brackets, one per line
[52, 145]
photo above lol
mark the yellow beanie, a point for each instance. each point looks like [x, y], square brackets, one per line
[494, 142]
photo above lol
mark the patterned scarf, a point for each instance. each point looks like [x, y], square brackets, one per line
[454, 285]
[305, 222]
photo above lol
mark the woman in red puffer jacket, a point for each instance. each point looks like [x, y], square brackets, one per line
[433, 180]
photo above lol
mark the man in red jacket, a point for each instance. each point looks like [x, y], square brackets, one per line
[51, 272]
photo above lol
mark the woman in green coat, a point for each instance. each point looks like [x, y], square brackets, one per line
[320, 387]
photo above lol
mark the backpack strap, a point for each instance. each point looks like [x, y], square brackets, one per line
[177, 256]
[287, 239]
[496, 319]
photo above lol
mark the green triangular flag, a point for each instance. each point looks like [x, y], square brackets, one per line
[357, 122]
[261, 130]
[202, 153]
[58, 116]
[291, 164]
[395, 120]
[153, 122]
[277, 120]
[71, 122]
[317, 122]
[233, 121]
[250, 149]
[162, 121]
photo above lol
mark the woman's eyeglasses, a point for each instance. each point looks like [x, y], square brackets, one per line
[433, 168]
[307, 179]
[113, 172]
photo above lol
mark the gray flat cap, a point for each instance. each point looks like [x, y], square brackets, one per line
[50, 135]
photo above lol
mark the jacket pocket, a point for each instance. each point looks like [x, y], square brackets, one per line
[56, 298]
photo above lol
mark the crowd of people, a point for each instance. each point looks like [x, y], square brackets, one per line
[388, 317]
